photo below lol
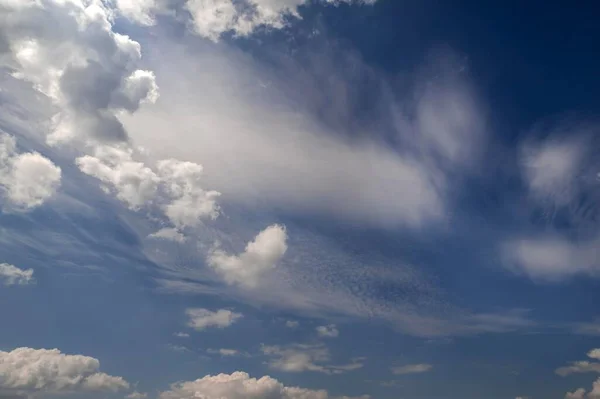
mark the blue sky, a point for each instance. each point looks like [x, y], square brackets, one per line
[289, 199]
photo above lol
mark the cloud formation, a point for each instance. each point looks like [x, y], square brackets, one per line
[200, 319]
[412, 369]
[27, 370]
[12, 275]
[329, 331]
[87, 69]
[298, 358]
[27, 179]
[259, 256]
[239, 385]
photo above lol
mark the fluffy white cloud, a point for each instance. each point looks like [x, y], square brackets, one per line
[300, 357]
[259, 256]
[87, 69]
[581, 394]
[182, 335]
[329, 331]
[27, 179]
[12, 275]
[412, 369]
[240, 385]
[174, 187]
[582, 366]
[212, 18]
[133, 182]
[189, 202]
[48, 370]
[201, 319]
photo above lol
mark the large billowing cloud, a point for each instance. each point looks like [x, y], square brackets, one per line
[27, 370]
[293, 140]
[240, 385]
[87, 69]
[27, 179]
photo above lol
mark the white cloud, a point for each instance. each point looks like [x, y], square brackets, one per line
[212, 18]
[201, 319]
[298, 358]
[292, 324]
[134, 183]
[168, 233]
[137, 395]
[189, 202]
[329, 331]
[182, 335]
[50, 371]
[87, 69]
[27, 179]
[552, 168]
[12, 275]
[582, 366]
[259, 256]
[581, 394]
[339, 169]
[174, 187]
[224, 352]
[412, 369]
[240, 385]
[551, 258]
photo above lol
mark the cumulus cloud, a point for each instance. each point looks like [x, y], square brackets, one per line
[87, 69]
[174, 187]
[12, 275]
[329, 331]
[201, 319]
[581, 393]
[133, 183]
[137, 395]
[30, 370]
[26, 179]
[298, 358]
[412, 369]
[240, 385]
[582, 366]
[259, 256]
[182, 335]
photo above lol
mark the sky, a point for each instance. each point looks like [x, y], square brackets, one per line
[299, 199]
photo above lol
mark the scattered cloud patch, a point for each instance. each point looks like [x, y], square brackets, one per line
[224, 352]
[200, 319]
[27, 370]
[329, 331]
[12, 275]
[412, 369]
[239, 385]
[168, 233]
[137, 395]
[298, 358]
[292, 324]
[259, 256]
[181, 335]
[27, 179]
